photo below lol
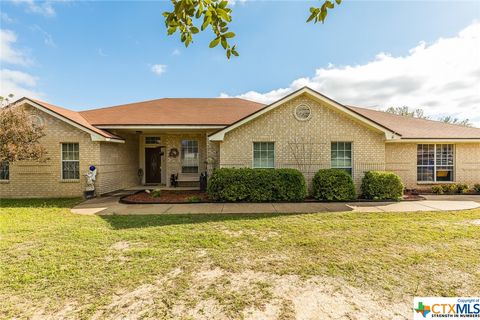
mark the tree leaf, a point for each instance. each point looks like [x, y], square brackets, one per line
[214, 42]
[229, 35]
[224, 43]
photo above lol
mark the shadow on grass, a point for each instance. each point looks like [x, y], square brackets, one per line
[40, 203]
[146, 221]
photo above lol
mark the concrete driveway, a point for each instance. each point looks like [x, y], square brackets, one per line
[110, 205]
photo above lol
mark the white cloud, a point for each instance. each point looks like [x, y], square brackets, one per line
[443, 78]
[6, 18]
[176, 52]
[19, 83]
[234, 2]
[12, 81]
[159, 69]
[43, 8]
[9, 54]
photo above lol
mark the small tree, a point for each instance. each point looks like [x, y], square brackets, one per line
[19, 137]
[405, 111]
[452, 120]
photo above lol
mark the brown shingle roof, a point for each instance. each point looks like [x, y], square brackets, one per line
[414, 128]
[174, 111]
[75, 117]
[226, 111]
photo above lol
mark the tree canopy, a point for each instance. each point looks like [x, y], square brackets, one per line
[19, 136]
[419, 113]
[189, 17]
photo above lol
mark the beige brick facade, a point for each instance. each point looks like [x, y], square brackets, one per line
[305, 145]
[401, 158]
[34, 179]
[116, 163]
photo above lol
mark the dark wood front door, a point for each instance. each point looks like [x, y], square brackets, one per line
[153, 173]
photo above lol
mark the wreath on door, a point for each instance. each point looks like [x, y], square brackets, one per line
[173, 153]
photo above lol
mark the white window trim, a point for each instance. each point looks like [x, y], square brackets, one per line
[274, 155]
[181, 156]
[61, 163]
[352, 154]
[435, 165]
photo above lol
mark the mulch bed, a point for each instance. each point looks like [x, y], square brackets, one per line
[184, 196]
[167, 196]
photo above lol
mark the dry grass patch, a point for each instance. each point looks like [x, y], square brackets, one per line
[55, 264]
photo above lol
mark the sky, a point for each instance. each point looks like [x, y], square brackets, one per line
[376, 54]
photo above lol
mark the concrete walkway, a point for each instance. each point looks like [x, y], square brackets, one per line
[110, 205]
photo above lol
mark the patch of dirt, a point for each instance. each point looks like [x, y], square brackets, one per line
[290, 297]
[136, 304]
[120, 246]
[168, 196]
[213, 293]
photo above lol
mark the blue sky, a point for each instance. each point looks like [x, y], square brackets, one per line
[90, 54]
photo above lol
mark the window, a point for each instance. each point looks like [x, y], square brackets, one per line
[341, 156]
[70, 161]
[152, 140]
[435, 162]
[189, 156]
[263, 155]
[4, 170]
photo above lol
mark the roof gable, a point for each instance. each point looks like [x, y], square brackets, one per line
[389, 134]
[73, 118]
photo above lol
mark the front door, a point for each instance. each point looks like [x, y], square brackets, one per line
[153, 173]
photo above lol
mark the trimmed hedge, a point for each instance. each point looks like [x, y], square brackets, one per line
[382, 185]
[256, 185]
[333, 185]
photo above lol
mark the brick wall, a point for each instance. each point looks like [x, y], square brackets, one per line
[118, 166]
[34, 179]
[308, 140]
[401, 158]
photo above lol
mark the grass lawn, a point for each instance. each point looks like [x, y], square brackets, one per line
[54, 264]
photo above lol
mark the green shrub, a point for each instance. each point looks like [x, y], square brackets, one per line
[333, 185]
[476, 187]
[156, 193]
[438, 189]
[449, 188]
[194, 199]
[382, 185]
[256, 185]
[462, 188]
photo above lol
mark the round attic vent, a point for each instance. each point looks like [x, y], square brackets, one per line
[36, 120]
[303, 112]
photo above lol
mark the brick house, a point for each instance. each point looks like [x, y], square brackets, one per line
[144, 143]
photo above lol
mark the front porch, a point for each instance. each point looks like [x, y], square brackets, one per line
[172, 159]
